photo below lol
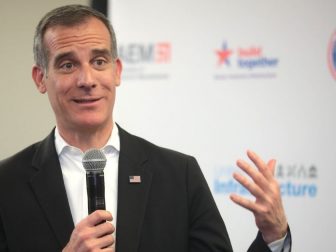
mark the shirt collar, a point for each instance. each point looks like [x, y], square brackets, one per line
[113, 143]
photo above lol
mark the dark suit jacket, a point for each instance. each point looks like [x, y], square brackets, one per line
[172, 208]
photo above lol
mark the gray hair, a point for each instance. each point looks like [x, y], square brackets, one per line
[69, 15]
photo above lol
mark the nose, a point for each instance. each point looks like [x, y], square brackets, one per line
[85, 78]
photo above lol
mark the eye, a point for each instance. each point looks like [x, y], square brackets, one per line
[99, 62]
[68, 66]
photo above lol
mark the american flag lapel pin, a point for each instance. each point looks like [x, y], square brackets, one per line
[135, 179]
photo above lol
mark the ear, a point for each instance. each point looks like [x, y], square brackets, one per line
[118, 70]
[38, 77]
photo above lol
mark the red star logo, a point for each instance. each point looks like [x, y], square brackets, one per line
[224, 55]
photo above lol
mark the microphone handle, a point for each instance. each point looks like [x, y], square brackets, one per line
[95, 191]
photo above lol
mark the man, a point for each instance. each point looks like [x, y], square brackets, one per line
[43, 202]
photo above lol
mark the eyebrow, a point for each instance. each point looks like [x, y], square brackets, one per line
[62, 56]
[94, 52]
[101, 52]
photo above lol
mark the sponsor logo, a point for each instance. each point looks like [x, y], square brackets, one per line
[296, 180]
[136, 53]
[332, 55]
[146, 61]
[244, 62]
[224, 55]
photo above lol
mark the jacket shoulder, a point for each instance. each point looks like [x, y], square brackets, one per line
[20, 159]
[151, 149]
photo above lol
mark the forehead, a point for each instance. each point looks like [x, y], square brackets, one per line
[91, 32]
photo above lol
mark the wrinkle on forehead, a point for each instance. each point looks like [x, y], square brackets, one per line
[92, 32]
[57, 42]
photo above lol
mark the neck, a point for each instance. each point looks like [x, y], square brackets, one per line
[85, 139]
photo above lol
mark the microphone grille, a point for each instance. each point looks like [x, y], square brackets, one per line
[94, 160]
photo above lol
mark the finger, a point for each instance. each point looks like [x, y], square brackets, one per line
[266, 169]
[104, 229]
[249, 185]
[259, 163]
[271, 166]
[96, 243]
[243, 202]
[98, 217]
[108, 249]
[106, 242]
[263, 181]
[246, 167]
[253, 173]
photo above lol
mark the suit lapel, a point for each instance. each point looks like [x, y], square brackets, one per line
[132, 197]
[48, 186]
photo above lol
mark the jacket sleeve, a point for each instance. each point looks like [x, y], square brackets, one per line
[207, 229]
[259, 244]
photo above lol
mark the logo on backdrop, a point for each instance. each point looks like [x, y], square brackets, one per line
[296, 181]
[146, 61]
[244, 62]
[332, 55]
[224, 55]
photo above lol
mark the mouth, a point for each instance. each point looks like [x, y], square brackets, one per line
[86, 100]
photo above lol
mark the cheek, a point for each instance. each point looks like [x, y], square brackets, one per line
[57, 91]
[113, 77]
[109, 83]
[63, 86]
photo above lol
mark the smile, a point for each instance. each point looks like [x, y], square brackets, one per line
[86, 100]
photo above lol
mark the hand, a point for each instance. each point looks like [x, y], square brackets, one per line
[267, 208]
[94, 233]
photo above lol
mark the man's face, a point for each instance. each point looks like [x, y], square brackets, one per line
[81, 78]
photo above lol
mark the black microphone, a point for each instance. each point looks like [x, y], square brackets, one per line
[94, 162]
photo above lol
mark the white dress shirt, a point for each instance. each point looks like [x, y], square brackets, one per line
[281, 245]
[74, 175]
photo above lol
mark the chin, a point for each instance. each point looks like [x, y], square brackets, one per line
[92, 123]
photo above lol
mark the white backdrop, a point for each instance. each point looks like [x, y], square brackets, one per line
[215, 78]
